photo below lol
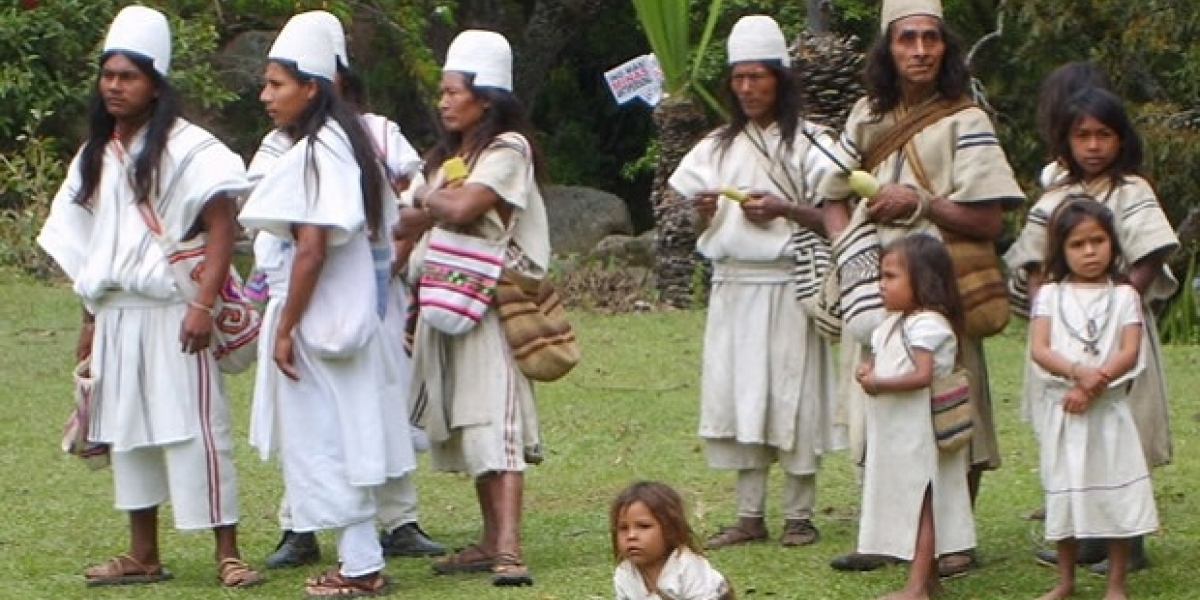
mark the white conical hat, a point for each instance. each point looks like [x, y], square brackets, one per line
[144, 31]
[894, 10]
[333, 28]
[305, 41]
[484, 54]
[755, 38]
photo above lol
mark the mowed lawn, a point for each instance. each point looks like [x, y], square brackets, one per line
[628, 412]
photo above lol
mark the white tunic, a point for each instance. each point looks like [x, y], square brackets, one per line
[467, 392]
[767, 384]
[1096, 480]
[685, 576]
[903, 459]
[330, 426]
[962, 157]
[148, 391]
[1142, 230]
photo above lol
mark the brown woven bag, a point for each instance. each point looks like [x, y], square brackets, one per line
[536, 326]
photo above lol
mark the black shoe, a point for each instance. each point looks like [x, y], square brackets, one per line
[409, 540]
[862, 562]
[1088, 552]
[957, 564]
[294, 550]
[1137, 559]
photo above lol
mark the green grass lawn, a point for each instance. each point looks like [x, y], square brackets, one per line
[628, 412]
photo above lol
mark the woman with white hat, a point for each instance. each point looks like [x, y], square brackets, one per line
[397, 498]
[478, 407]
[324, 374]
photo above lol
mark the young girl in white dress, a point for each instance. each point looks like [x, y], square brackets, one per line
[657, 549]
[911, 488]
[1085, 338]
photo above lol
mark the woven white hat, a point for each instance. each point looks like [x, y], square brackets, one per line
[305, 40]
[894, 10]
[143, 31]
[755, 38]
[484, 54]
[333, 28]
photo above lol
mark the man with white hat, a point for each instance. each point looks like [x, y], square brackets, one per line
[147, 174]
[767, 383]
[942, 172]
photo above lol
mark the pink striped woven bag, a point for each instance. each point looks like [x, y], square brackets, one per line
[458, 280]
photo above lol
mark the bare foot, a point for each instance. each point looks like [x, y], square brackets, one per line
[905, 595]
[935, 589]
[1116, 596]
[1060, 591]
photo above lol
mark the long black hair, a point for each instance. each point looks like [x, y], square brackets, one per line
[881, 78]
[326, 105]
[165, 107]
[1056, 91]
[503, 113]
[931, 275]
[1075, 209]
[1106, 107]
[788, 106]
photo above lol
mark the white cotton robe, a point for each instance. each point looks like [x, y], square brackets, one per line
[1142, 230]
[685, 576]
[964, 162]
[148, 392]
[903, 459]
[330, 427]
[1096, 480]
[767, 385]
[468, 394]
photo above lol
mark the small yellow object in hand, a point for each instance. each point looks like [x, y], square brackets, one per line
[864, 184]
[455, 169]
[734, 194]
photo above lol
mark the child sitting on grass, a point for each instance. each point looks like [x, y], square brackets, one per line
[659, 558]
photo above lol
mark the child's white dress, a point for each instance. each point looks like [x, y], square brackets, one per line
[902, 458]
[686, 576]
[1096, 480]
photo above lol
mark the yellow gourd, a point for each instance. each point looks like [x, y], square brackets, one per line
[864, 184]
[734, 194]
[455, 169]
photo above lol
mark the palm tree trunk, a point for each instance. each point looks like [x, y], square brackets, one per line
[681, 123]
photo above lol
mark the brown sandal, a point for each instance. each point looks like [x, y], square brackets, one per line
[123, 569]
[471, 559]
[734, 535]
[235, 573]
[510, 571]
[332, 584]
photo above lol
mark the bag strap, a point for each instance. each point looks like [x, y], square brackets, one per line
[908, 345]
[169, 247]
[910, 125]
[775, 168]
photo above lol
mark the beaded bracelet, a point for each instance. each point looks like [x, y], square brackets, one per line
[208, 309]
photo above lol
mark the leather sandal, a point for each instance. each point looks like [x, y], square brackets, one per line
[332, 584]
[510, 571]
[123, 569]
[235, 573]
[471, 559]
[734, 535]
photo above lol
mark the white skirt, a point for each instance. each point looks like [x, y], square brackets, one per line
[337, 430]
[148, 391]
[1095, 477]
[767, 379]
